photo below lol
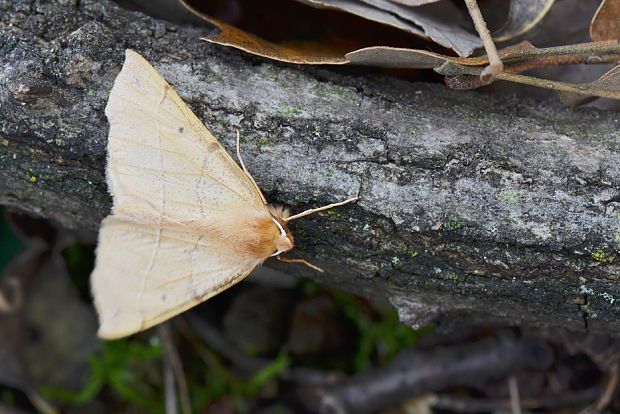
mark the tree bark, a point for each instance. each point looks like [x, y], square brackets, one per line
[473, 208]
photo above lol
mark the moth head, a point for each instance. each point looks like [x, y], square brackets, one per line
[283, 241]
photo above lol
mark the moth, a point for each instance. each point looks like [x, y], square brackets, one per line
[187, 222]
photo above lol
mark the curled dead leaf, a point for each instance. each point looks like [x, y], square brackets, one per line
[458, 70]
[308, 52]
[300, 53]
[523, 15]
[394, 57]
[606, 21]
[414, 3]
[426, 21]
[609, 82]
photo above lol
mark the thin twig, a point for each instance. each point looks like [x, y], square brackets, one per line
[464, 74]
[191, 326]
[40, 403]
[169, 388]
[515, 400]
[454, 70]
[495, 63]
[558, 86]
[415, 372]
[590, 49]
[546, 61]
[220, 344]
[176, 367]
[552, 402]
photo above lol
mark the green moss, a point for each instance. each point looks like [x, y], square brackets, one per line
[573, 131]
[413, 254]
[213, 77]
[453, 223]
[325, 89]
[128, 368]
[380, 339]
[288, 110]
[33, 179]
[7, 397]
[509, 197]
[223, 122]
[602, 256]
[273, 71]
[450, 275]
[261, 141]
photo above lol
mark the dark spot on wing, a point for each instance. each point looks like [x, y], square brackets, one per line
[181, 130]
[213, 146]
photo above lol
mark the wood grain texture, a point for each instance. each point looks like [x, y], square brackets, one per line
[473, 208]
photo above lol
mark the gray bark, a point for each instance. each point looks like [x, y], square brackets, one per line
[473, 208]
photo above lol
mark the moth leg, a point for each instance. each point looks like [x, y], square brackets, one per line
[245, 170]
[316, 210]
[302, 261]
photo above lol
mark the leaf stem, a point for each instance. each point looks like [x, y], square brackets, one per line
[584, 89]
[495, 63]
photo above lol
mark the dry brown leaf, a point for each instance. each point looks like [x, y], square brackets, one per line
[393, 57]
[414, 3]
[371, 10]
[459, 71]
[523, 15]
[610, 81]
[291, 53]
[606, 22]
[396, 57]
[428, 21]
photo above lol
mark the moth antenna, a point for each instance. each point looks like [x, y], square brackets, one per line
[245, 170]
[316, 210]
[302, 261]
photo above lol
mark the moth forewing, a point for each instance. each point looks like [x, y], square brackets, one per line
[181, 206]
[187, 222]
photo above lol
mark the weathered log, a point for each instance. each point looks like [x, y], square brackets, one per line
[473, 208]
